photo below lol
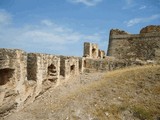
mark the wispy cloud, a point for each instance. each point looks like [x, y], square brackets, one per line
[135, 21]
[47, 22]
[5, 18]
[86, 2]
[128, 4]
[46, 35]
[143, 7]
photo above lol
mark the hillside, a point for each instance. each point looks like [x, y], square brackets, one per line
[125, 94]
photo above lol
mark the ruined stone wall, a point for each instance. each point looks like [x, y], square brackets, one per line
[13, 77]
[90, 50]
[44, 69]
[24, 76]
[81, 64]
[118, 40]
[69, 66]
[107, 64]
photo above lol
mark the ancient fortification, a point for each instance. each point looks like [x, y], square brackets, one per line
[25, 76]
[147, 43]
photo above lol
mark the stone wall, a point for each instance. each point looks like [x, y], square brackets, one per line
[91, 51]
[13, 78]
[44, 69]
[101, 65]
[69, 66]
[24, 76]
[119, 45]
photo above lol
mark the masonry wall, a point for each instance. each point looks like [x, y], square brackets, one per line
[44, 69]
[118, 38]
[13, 78]
[101, 65]
[69, 66]
[90, 50]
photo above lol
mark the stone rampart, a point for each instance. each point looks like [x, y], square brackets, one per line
[119, 41]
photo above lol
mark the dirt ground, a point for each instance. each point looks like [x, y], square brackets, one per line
[48, 105]
[129, 94]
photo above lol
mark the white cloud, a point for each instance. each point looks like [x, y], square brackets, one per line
[45, 36]
[47, 22]
[129, 4]
[143, 7]
[86, 2]
[5, 18]
[135, 21]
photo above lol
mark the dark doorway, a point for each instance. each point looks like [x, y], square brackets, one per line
[5, 75]
[72, 69]
[94, 53]
[52, 73]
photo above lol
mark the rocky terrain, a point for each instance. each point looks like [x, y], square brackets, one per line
[125, 94]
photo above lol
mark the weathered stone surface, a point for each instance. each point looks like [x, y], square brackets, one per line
[69, 66]
[24, 76]
[12, 77]
[91, 51]
[150, 29]
[120, 42]
[44, 69]
[117, 32]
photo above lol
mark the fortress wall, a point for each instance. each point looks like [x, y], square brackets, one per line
[93, 65]
[44, 69]
[81, 64]
[13, 78]
[107, 64]
[119, 39]
[90, 50]
[69, 66]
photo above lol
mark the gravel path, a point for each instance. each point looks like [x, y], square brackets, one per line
[58, 103]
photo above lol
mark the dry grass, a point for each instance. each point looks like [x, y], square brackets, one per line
[135, 89]
[127, 94]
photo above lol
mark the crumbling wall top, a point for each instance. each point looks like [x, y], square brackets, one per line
[150, 29]
[118, 32]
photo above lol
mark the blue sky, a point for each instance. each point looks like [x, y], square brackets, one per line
[62, 26]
